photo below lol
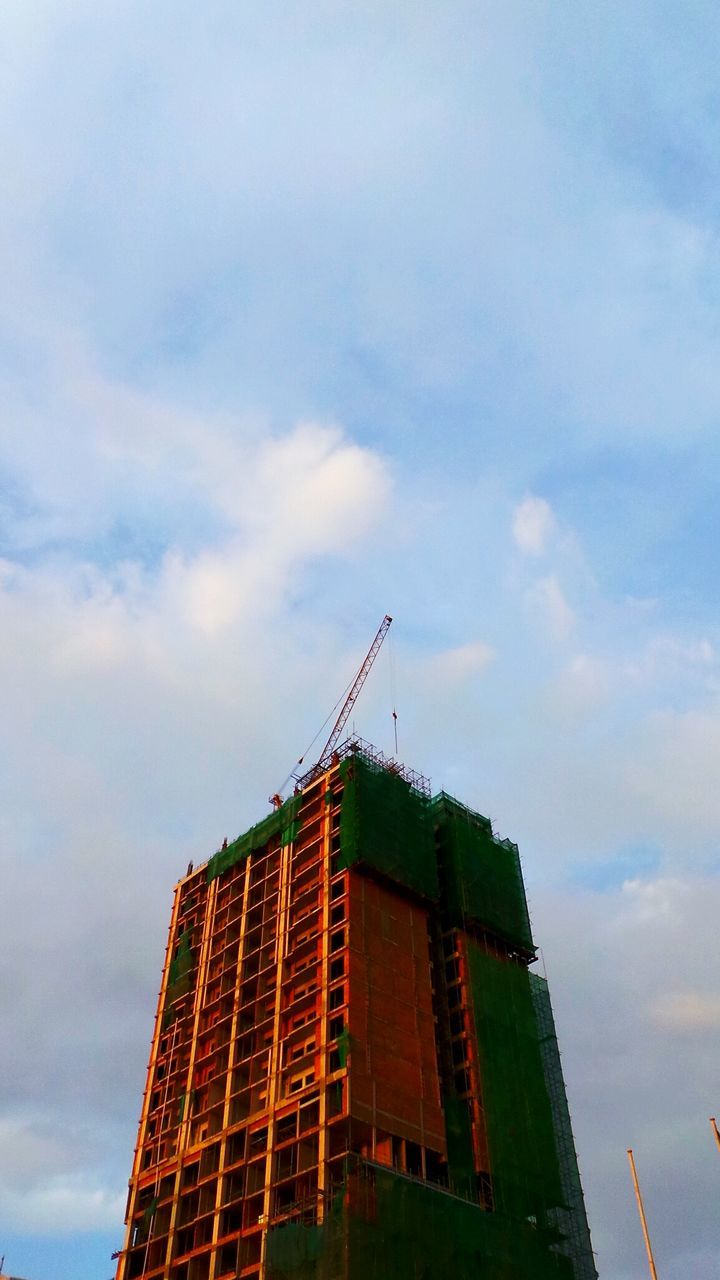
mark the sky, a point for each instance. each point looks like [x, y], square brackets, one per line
[312, 311]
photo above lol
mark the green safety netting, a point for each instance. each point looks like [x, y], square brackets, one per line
[571, 1219]
[392, 1227]
[461, 1163]
[523, 1156]
[304, 1252]
[481, 875]
[342, 1044]
[182, 961]
[179, 974]
[290, 832]
[386, 824]
[308, 1251]
[149, 1214]
[283, 822]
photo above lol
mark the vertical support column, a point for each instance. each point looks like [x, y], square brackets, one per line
[641, 1211]
[326, 853]
[417, 960]
[473, 1061]
[231, 1062]
[184, 1128]
[154, 1051]
[275, 1064]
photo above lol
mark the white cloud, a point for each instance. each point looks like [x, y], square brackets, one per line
[669, 656]
[672, 773]
[281, 501]
[533, 524]
[63, 1206]
[687, 1011]
[548, 608]
[311, 493]
[44, 1187]
[456, 666]
[577, 692]
[650, 901]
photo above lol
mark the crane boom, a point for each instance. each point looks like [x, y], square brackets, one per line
[357, 685]
[344, 715]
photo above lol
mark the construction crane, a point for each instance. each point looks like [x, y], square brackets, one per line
[344, 715]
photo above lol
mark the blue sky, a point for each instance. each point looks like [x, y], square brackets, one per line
[312, 311]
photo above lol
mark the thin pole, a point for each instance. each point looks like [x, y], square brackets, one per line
[641, 1211]
[393, 694]
[715, 1130]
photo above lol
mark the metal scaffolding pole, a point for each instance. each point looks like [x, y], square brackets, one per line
[641, 1211]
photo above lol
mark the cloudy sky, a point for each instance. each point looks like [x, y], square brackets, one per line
[311, 310]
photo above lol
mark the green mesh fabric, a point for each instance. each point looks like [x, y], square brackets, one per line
[182, 961]
[410, 1231]
[149, 1214]
[290, 832]
[571, 1219]
[343, 1046]
[296, 1251]
[395, 1228]
[179, 974]
[282, 822]
[523, 1157]
[482, 879]
[387, 825]
[461, 1163]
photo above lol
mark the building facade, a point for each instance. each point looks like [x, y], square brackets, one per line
[353, 1072]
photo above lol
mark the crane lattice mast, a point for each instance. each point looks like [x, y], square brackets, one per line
[345, 711]
[349, 702]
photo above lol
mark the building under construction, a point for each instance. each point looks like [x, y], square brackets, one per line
[353, 1071]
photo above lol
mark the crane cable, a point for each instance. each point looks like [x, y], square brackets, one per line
[393, 691]
[309, 746]
[350, 695]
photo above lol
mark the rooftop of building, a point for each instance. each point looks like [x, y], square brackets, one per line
[353, 746]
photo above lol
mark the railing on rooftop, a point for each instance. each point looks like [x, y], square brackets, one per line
[355, 745]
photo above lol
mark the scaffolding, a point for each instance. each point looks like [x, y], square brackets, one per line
[481, 875]
[390, 1226]
[571, 1216]
[387, 826]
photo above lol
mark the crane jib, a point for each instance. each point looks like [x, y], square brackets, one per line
[347, 707]
[357, 686]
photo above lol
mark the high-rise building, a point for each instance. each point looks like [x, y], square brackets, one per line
[353, 1072]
